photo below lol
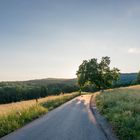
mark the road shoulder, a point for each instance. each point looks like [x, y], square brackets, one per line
[102, 122]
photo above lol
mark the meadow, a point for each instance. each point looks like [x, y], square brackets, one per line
[121, 107]
[16, 115]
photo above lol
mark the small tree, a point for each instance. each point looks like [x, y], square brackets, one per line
[138, 78]
[98, 74]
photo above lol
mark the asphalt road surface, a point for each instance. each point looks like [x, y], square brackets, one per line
[71, 121]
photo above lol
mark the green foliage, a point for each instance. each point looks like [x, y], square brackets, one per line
[16, 119]
[57, 102]
[11, 122]
[138, 78]
[18, 91]
[98, 74]
[122, 108]
[127, 79]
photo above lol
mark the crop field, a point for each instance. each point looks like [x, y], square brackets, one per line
[16, 115]
[122, 108]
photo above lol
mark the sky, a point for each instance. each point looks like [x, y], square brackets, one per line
[51, 38]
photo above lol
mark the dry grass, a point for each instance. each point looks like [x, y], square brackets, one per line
[16, 115]
[19, 106]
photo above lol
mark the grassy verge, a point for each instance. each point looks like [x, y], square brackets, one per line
[51, 104]
[19, 116]
[122, 108]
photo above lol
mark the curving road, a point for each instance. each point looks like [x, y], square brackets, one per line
[71, 121]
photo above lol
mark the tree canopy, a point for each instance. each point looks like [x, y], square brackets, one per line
[98, 74]
[138, 78]
[18, 91]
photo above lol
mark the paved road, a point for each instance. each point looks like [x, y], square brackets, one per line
[71, 121]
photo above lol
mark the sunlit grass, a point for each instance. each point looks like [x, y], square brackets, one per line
[19, 106]
[122, 108]
[15, 115]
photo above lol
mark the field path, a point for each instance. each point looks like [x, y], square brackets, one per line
[71, 121]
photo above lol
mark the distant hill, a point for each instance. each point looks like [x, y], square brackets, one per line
[52, 81]
[125, 78]
[128, 78]
[32, 89]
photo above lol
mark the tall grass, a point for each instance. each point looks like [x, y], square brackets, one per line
[51, 104]
[17, 115]
[122, 108]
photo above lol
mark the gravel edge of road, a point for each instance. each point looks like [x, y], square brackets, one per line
[102, 122]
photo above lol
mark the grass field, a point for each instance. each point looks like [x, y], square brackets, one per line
[122, 108]
[16, 115]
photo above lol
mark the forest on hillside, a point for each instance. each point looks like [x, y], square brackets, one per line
[18, 91]
[33, 89]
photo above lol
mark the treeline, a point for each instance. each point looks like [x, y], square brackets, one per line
[126, 79]
[18, 91]
[13, 92]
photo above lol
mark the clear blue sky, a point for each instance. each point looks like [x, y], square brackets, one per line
[50, 38]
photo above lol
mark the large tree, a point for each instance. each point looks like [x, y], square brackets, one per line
[98, 74]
